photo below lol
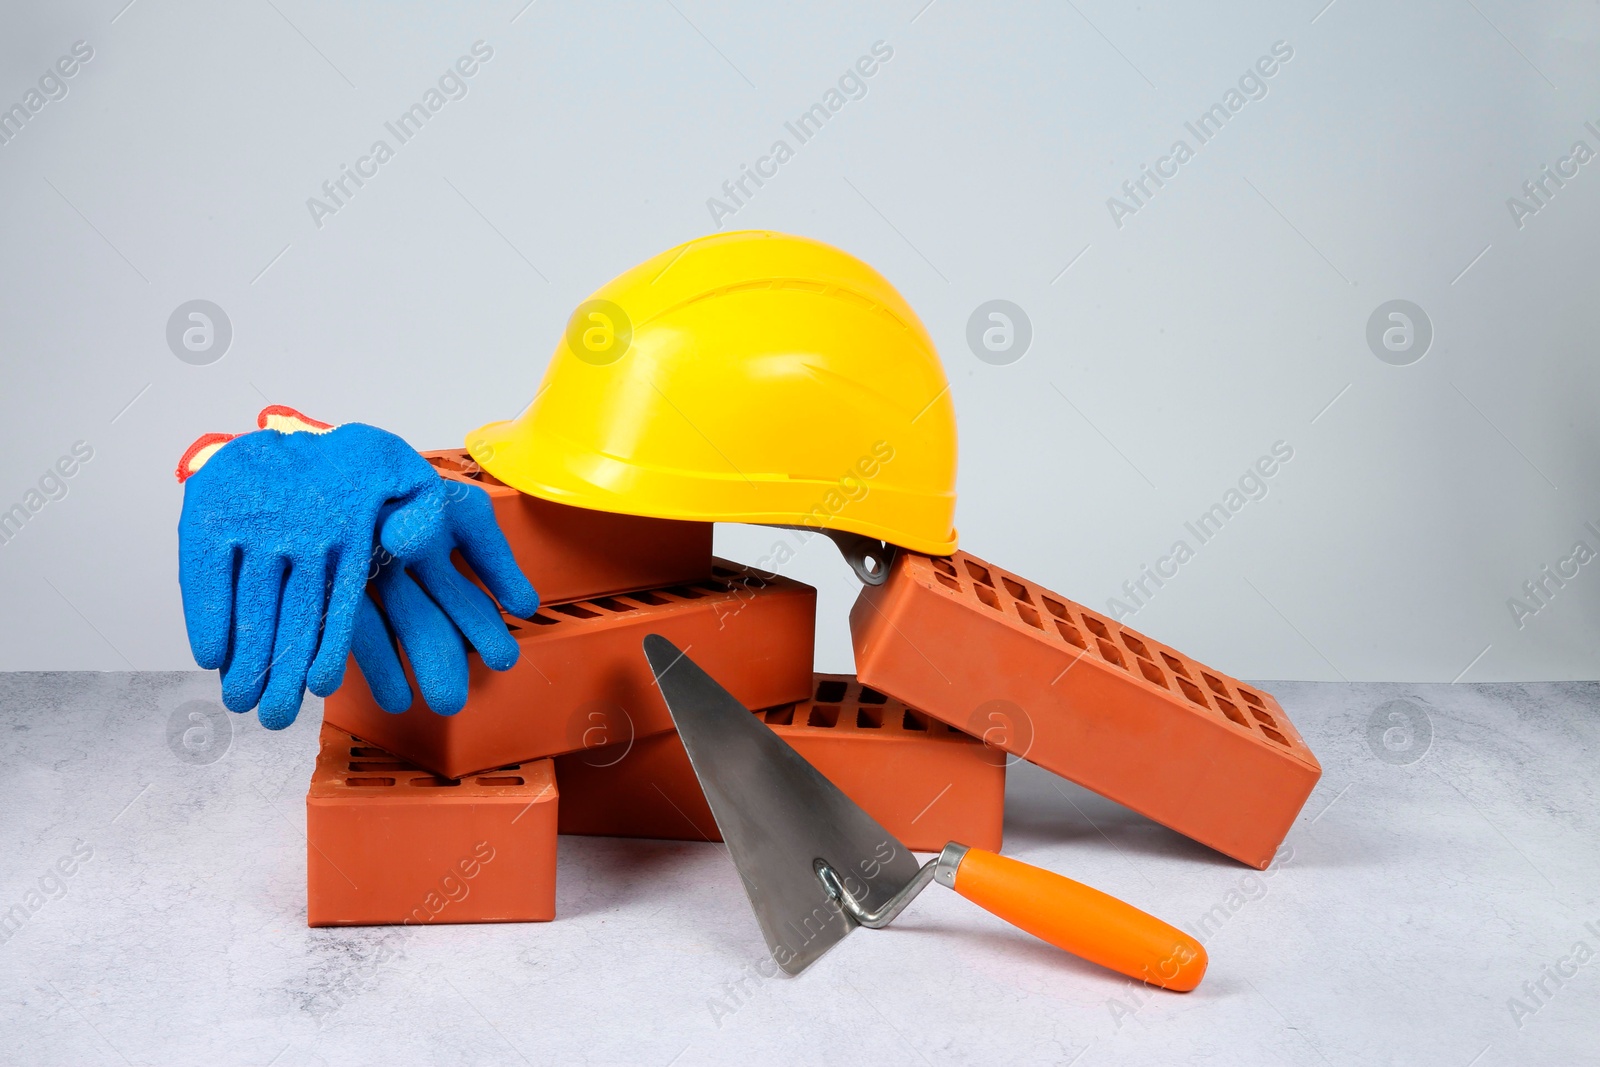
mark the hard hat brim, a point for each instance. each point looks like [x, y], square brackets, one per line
[546, 466]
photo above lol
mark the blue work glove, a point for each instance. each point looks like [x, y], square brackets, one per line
[414, 542]
[437, 651]
[275, 544]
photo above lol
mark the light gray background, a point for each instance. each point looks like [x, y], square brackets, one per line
[1228, 314]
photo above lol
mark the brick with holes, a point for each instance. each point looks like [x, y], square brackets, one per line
[1070, 690]
[582, 678]
[926, 782]
[390, 843]
[573, 553]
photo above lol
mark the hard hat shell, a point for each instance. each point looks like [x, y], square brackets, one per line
[744, 377]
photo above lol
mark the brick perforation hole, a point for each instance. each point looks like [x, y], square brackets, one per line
[830, 691]
[825, 716]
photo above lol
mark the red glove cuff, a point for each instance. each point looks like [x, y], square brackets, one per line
[272, 417]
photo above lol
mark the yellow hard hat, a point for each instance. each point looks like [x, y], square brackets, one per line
[744, 377]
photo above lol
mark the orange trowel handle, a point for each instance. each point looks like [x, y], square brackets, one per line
[1072, 916]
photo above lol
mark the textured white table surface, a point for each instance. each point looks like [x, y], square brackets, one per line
[1429, 888]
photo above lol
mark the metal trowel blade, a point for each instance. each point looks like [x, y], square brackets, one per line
[778, 816]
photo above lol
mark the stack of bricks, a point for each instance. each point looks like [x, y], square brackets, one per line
[422, 818]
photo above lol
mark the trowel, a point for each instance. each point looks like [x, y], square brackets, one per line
[816, 866]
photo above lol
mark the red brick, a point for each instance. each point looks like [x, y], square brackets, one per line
[388, 843]
[573, 553]
[1072, 691]
[582, 677]
[927, 783]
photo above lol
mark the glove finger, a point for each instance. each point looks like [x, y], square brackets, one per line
[255, 613]
[338, 627]
[379, 662]
[484, 547]
[434, 646]
[299, 620]
[470, 609]
[205, 576]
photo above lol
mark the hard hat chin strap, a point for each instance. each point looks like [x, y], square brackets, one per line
[868, 557]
